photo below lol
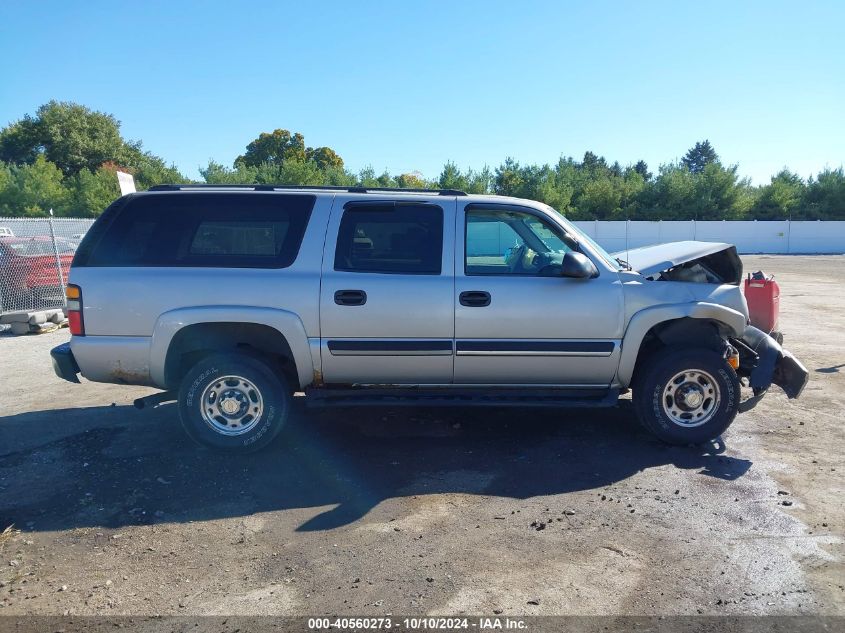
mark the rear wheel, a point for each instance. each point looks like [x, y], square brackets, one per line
[233, 402]
[686, 395]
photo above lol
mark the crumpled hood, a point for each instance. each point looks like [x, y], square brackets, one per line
[721, 259]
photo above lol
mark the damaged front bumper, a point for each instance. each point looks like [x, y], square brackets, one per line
[764, 362]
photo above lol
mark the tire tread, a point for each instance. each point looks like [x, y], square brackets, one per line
[674, 357]
[234, 363]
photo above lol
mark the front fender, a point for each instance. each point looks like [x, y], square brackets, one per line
[288, 324]
[644, 320]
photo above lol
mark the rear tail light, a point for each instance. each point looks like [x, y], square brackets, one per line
[74, 310]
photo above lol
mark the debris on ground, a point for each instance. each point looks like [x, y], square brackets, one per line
[34, 322]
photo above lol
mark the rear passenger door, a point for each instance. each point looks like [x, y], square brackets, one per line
[387, 295]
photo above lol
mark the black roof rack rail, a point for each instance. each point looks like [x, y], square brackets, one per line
[440, 192]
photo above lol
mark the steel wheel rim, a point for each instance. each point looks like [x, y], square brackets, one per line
[691, 398]
[231, 405]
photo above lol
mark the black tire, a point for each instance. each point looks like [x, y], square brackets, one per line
[655, 409]
[254, 387]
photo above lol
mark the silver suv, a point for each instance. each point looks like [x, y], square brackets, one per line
[231, 299]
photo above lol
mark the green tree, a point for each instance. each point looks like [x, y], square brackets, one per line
[825, 196]
[631, 187]
[600, 199]
[593, 163]
[540, 182]
[367, 178]
[34, 189]
[780, 198]
[298, 172]
[155, 172]
[297, 164]
[86, 147]
[452, 178]
[19, 142]
[273, 147]
[65, 155]
[71, 136]
[6, 189]
[479, 181]
[218, 174]
[668, 196]
[716, 193]
[699, 156]
[338, 177]
[324, 157]
[91, 192]
[720, 194]
[642, 169]
[508, 179]
[412, 181]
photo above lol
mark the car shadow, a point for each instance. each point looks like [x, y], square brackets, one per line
[116, 466]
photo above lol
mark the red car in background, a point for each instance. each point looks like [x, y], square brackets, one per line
[28, 275]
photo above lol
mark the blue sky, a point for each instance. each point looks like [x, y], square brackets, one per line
[407, 86]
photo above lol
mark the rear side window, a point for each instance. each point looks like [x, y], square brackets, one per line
[406, 238]
[221, 230]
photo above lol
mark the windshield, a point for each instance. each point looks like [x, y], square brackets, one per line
[583, 237]
[546, 236]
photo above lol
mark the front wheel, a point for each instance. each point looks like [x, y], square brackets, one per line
[233, 402]
[686, 395]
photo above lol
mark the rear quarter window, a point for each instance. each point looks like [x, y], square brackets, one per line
[220, 230]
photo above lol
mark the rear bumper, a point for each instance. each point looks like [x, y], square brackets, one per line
[766, 363]
[64, 364]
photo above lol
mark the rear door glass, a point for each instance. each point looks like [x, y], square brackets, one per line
[402, 238]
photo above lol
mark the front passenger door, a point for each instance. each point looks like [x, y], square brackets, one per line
[517, 320]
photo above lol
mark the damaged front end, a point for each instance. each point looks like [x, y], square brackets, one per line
[764, 362]
[697, 262]
[712, 272]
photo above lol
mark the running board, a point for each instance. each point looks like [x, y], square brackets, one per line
[457, 397]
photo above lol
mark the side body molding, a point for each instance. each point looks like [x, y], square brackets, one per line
[287, 323]
[646, 319]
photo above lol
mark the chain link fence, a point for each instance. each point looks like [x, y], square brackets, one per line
[35, 256]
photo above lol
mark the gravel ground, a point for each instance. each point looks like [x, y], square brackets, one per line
[440, 512]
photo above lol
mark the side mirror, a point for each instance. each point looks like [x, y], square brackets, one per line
[577, 266]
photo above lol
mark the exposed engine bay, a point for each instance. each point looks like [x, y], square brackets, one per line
[695, 272]
[696, 262]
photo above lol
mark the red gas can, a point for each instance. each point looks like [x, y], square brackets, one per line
[763, 297]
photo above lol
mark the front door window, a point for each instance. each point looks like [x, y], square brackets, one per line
[501, 242]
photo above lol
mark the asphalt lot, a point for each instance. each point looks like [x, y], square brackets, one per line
[374, 511]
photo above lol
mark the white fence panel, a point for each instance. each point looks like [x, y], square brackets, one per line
[614, 233]
[675, 231]
[774, 237]
[749, 237]
[817, 237]
[643, 234]
[587, 226]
